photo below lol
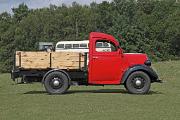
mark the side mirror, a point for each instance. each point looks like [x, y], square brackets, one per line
[121, 52]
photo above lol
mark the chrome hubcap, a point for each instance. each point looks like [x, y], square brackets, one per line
[138, 82]
[56, 83]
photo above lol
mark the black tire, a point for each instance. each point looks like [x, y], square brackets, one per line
[138, 83]
[49, 83]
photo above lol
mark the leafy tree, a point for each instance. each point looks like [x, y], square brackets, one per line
[20, 12]
[146, 26]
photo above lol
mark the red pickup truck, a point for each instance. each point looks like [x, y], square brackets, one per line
[106, 67]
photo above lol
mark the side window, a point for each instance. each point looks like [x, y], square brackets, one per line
[60, 46]
[68, 46]
[98, 44]
[75, 45]
[113, 47]
[83, 45]
[105, 46]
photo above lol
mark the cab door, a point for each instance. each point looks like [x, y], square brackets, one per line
[105, 62]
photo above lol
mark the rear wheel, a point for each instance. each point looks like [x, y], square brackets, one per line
[138, 83]
[56, 83]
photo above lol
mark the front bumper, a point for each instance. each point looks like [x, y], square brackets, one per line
[158, 81]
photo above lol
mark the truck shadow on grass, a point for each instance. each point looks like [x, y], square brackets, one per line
[120, 91]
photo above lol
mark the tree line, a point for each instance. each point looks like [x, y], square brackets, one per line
[150, 26]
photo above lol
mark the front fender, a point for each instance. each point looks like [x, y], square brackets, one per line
[152, 74]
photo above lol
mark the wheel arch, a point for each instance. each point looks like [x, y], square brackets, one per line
[56, 70]
[149, 71]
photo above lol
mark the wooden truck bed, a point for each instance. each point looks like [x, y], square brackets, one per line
[46, 60]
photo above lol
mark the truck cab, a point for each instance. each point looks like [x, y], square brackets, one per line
[104, 67]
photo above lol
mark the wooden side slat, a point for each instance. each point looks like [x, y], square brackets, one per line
[35, 60]
[66, 60]
[44, 60]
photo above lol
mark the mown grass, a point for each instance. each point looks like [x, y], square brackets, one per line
[31, 102]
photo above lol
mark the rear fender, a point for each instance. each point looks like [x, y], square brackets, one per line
[148, 70]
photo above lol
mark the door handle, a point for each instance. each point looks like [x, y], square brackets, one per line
[95, 57]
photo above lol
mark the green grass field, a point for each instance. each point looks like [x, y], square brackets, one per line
[31, 102]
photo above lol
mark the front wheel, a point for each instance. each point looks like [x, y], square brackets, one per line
[138, 83]
[56, 83]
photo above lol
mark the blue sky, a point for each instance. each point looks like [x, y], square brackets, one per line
[6, 5]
